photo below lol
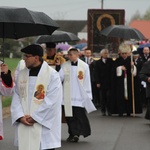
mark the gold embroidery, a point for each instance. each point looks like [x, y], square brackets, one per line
[23, 88]
[38, 102]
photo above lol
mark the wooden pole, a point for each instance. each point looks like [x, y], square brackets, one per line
[133, 98]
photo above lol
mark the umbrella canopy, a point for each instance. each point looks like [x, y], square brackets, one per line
[80, 46]
[63, 46]
[140, 48]
[17, 23]
[122, 31]
[57, 36]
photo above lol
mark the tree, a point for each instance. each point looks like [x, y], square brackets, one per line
[147, 14]
[136, 16]
[14, 46]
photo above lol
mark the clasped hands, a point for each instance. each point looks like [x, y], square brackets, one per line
[124, 68]
[27, 120]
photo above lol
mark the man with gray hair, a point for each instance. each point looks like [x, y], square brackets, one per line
[145, 56]
[103, 80]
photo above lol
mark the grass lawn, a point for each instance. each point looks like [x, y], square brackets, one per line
[12, 63]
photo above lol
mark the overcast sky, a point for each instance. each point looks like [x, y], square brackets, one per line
[77, 9]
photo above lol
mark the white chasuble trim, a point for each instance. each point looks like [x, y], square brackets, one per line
[87, 103]
[119, 73]
[125, 86]
[29, 137]
[67, 91]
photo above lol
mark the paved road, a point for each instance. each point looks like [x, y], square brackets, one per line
[108, 133]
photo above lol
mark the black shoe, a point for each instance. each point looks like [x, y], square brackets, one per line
[69, 138]
[74, 138]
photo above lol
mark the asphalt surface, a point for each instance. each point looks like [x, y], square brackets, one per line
[108, 133]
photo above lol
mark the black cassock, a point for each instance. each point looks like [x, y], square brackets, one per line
[144, 75]
[120, 105]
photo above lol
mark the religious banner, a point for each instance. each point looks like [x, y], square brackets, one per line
[99, 19]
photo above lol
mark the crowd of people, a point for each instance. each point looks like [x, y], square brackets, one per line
[43, 97]
[120, 83]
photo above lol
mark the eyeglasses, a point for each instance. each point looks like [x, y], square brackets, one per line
[27, 56]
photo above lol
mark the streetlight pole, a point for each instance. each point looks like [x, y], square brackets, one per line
[102, 3]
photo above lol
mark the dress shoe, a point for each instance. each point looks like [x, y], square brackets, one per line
[74, 138]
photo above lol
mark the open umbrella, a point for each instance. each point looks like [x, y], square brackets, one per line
[17, 23]
[80, 46]
[63, 46]
[57, 36]
[122, 31]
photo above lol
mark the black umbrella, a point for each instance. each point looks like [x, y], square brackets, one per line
[122, 31]
[17, 23]
[57, 36]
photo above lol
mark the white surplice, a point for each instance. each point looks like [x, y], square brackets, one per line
[80, 90]
[4, 91]
[48, 114]
[119, 72]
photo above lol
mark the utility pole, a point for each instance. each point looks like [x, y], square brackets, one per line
[102, 3]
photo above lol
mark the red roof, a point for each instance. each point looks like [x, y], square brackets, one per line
[143, 26]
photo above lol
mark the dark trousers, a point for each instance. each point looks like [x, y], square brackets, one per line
[147, 115]
[105, 100]
[79, 123]
[143, 96]
[95, 93]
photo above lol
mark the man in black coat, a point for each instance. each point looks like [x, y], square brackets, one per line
[137, 82]
[145, 76]
[91, 62]
[145, 56]
[103, 80]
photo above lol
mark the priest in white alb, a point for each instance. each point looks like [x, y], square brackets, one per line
[36, 103]
[77, 98]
